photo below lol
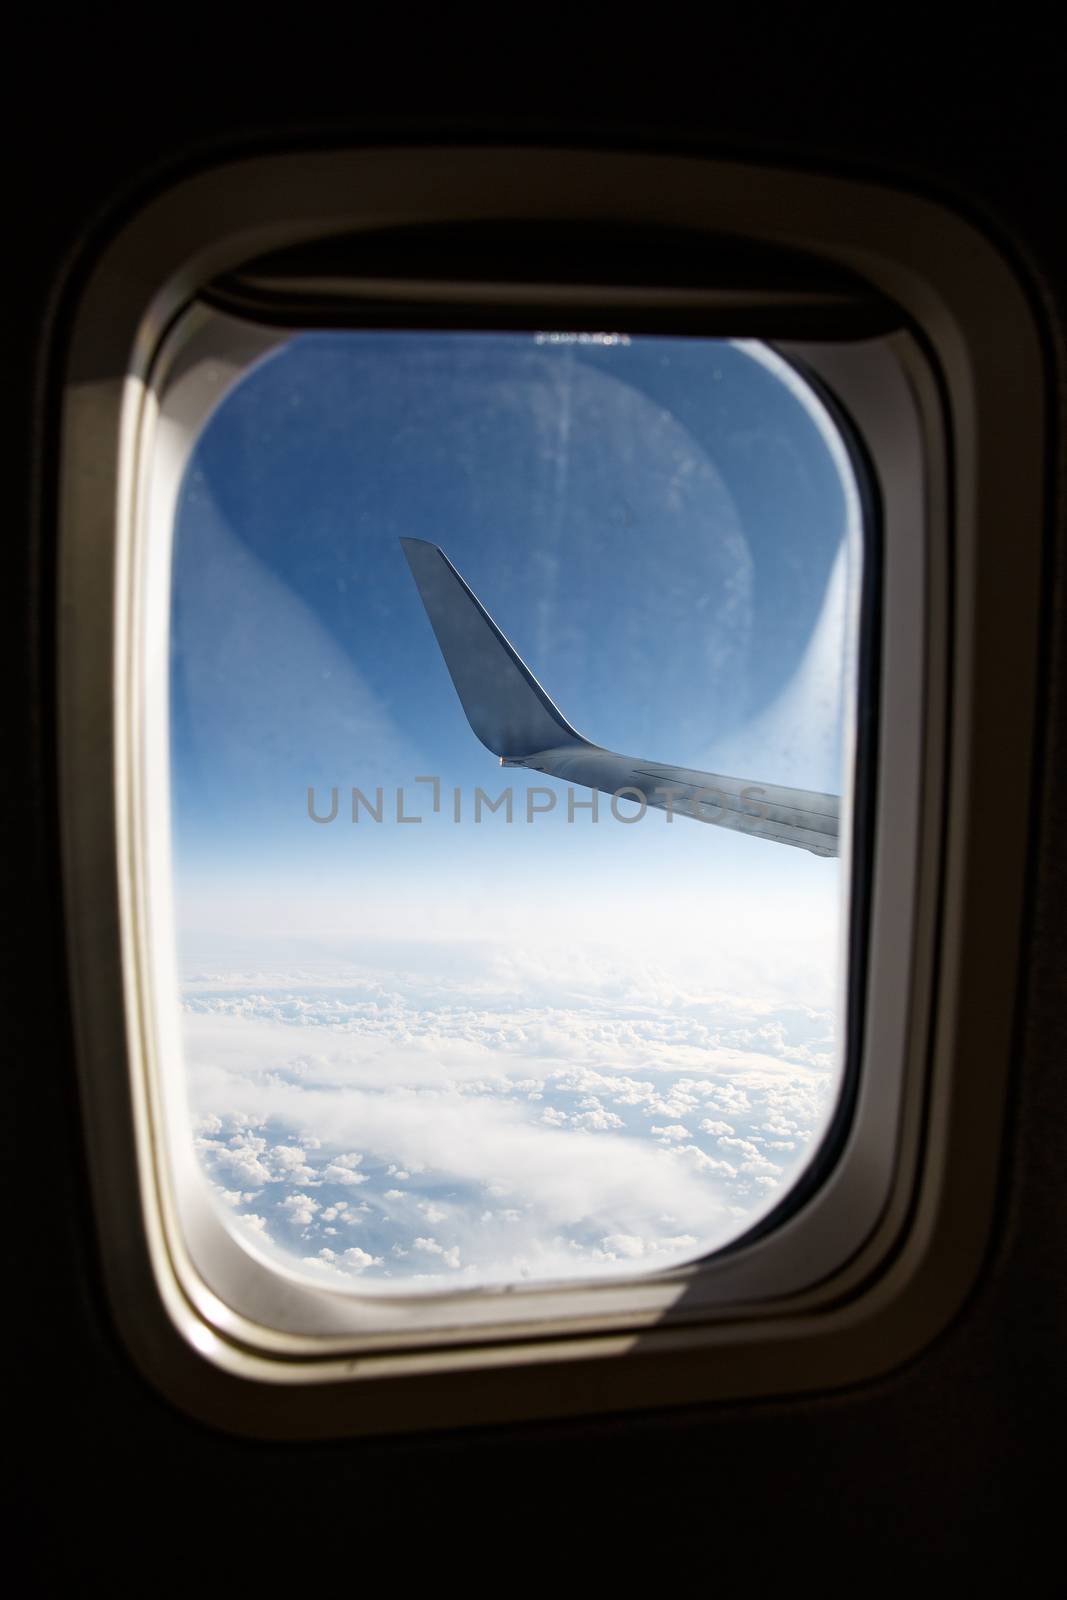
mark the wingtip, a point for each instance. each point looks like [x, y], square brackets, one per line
[503, 702]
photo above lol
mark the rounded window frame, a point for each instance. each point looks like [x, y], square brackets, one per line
[222, 1324]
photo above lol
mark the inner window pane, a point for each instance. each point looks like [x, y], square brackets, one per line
[444, 1025]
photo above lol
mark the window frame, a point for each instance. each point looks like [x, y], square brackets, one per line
[953, 418]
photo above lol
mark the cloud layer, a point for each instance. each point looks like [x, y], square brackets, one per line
[374, 1124]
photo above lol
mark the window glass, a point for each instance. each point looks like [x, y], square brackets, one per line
[444, 1024]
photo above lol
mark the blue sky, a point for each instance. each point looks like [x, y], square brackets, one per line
[654, 524]
[666, 531]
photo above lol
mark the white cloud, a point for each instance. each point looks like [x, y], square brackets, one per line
[290, 1162]
[336, 1173]
[597, 1121]
[565, 1112]
[449, 1256]
[235, 1197]
[359, 1259]
[624, 1244]
[300, 1209]
[256, 1225]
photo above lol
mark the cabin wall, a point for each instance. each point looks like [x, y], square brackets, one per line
[941, 1461]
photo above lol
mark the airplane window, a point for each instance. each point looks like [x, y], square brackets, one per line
[512, 710]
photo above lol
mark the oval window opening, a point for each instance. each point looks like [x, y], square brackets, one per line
[512, 706]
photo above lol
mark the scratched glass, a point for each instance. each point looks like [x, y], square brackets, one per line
[512, 707]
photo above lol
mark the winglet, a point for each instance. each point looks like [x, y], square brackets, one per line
[503, 701]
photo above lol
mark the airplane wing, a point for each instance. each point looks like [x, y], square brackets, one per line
[514, 718]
